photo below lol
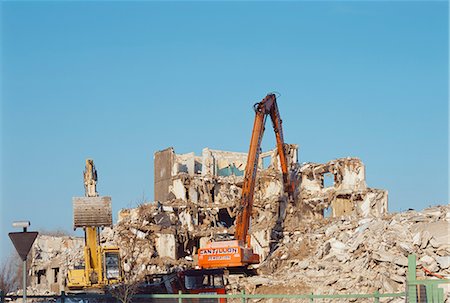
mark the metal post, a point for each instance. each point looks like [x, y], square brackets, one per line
[411, 277]
[376, 296]
[24, 275]
[2, 296]
[22, 242]
[180, 299]
[63, 296]
[24, 283]
[243, 296]
[311, 299]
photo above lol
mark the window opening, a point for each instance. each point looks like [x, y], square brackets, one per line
[328, 180]
[40, 273]
[55, 274]
[266, 161]
[327, 212]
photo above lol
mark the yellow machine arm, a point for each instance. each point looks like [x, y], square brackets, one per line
[102, 264]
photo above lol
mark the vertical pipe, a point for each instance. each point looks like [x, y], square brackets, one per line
[180, 299]
[24, 283]
[243, 296]
[24, 275]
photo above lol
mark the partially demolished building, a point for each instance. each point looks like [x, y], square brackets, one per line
[197, 197]
[51, 257]
[345, 194]
[216, 177]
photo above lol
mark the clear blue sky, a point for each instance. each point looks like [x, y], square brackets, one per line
[117, 81]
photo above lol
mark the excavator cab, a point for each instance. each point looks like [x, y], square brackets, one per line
[192, 281]
[197, 281]
[111, 265]
[204, 281]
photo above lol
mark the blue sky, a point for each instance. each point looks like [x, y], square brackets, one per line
[117, 81]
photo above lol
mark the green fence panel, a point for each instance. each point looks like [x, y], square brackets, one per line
[243, 300]
[243, 297]
[441, 295]
[434, 293]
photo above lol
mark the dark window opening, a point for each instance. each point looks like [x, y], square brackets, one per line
[55, 274]
[225, 219]
[198, 167]
[189, 248]
[182, 168]
[212, 194]
[39, 274]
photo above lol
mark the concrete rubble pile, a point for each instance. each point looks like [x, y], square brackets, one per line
[335, 237]
[329, 256]
[357, 255]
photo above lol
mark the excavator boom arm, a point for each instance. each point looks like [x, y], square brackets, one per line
[268, 106]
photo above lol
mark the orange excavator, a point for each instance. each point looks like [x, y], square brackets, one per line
[237, 252]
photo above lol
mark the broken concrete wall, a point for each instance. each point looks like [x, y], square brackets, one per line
[340, 185]
[166, 245]
[212, 178]
[52, 257]
[216, 178]
[163, 162]
[223, 163]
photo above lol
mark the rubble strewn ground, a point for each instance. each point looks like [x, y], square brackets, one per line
[359, 255]
[359, 248]
[338, 255]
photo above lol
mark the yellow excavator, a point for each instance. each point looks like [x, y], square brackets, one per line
[102, 265]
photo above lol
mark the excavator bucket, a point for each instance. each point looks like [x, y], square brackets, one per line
[92, 212]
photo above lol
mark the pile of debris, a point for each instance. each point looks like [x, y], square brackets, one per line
[357, 255]
[329, 256]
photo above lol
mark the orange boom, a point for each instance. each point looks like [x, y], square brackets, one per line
[238, 252]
